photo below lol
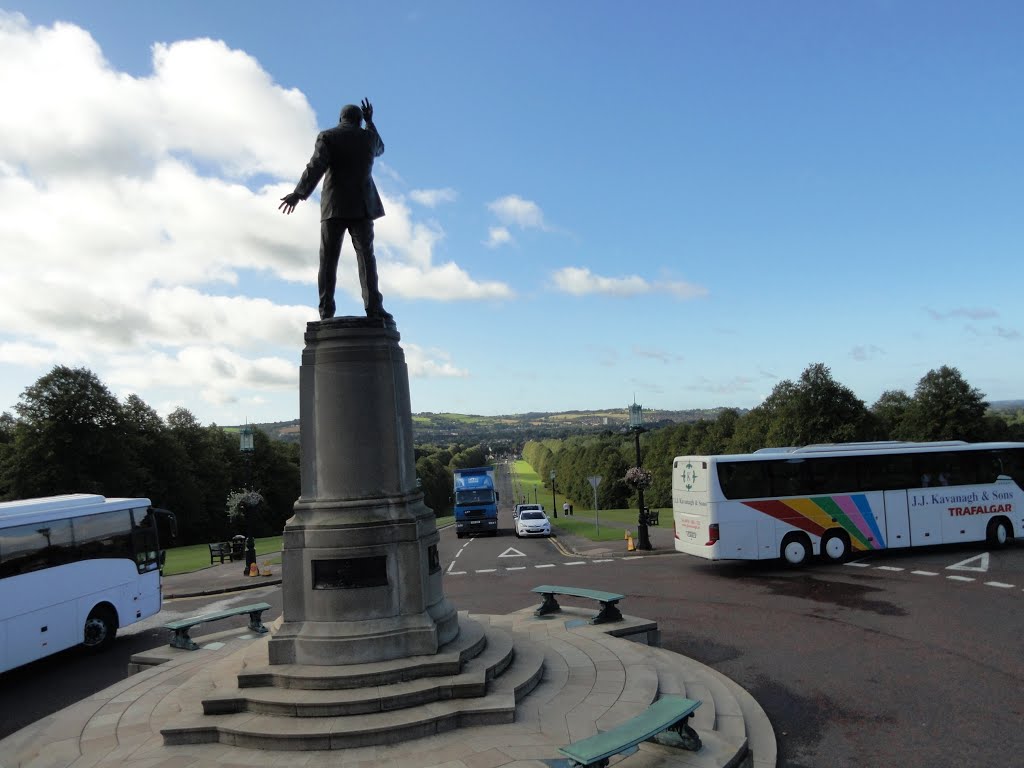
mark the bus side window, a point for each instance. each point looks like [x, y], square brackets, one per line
[1010, 463]
[835, 474]
[743, 479]
[888, 472]
[789, 477]
[26, 548]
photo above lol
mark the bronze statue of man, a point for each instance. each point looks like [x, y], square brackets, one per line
[344, 156]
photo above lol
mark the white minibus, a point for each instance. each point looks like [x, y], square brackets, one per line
[73, 569]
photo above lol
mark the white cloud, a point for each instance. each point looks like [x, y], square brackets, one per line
[424, 363]
[971, 313]
[131, 219]
[497, 236]
[683, 290]
[864, 352]
[431, 198]
[580, 281]
[514, 210]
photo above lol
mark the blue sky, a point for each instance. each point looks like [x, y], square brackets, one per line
[683, 201]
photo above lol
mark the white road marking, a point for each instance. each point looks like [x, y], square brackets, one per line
[516, 568]
[545, 565]
[576, 562]
[961, 578]
[606, 560]
[511, 552]
[889, 568]
[456, 573]
[981, 567]
[858, 564]
[1000, 584]
[486, 570]
[924, 573]
[631, 558]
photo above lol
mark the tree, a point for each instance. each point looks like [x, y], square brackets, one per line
[69, 438]
[945, 407]
[889, 412]
[436, 482]
[474, 456]
[815, 409]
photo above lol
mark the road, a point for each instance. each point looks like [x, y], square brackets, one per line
[910, 659]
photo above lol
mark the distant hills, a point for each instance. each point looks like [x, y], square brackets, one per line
[446, 428]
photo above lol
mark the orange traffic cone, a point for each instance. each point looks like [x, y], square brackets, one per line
[253, 570]
[266, 569]
[629, 542]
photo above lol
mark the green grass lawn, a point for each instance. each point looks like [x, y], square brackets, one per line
[196, 556]
[525, 482]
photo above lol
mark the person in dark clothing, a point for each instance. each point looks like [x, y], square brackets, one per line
[343, 156]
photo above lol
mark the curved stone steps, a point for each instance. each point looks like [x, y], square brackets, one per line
[471, 682]
[468, 644]
[282, 732]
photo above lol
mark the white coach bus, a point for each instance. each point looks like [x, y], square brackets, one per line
[834, 500]
[73, 569]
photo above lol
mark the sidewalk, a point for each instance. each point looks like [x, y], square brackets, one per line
[220, 578]
[662, 537]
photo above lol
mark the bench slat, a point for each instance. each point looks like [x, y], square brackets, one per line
[663, 713]
[592, 594]
[194, 620]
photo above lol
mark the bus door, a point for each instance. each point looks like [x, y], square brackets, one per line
[897, 520]
[768, 538]
[925, 520]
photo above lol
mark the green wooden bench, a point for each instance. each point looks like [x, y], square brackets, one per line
[609, 609]
[181, 639]
[669, 713]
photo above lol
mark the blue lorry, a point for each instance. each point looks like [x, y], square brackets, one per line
[476, 501]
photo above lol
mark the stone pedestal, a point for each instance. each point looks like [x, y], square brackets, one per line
[361, 574]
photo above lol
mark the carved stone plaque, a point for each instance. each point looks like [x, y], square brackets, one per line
[353, 573]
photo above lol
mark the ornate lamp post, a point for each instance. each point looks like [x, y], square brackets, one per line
[247, 445]
[554, 509]
[636, 426]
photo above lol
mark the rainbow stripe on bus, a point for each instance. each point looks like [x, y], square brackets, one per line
[817, 514]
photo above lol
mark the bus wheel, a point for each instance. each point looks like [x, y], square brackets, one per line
[100, 628]
[835, 547]
[999, 532]
[795, 549]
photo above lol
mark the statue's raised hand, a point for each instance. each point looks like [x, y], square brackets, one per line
[367, 108]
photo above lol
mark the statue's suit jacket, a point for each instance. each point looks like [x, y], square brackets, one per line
[343, 156]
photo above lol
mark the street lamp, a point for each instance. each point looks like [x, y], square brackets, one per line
[247, 445]
[554, 506]
[636, 426]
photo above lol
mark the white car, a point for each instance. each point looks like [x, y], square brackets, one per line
[532, 522]
[526, 507]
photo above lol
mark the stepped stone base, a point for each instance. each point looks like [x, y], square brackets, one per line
[590, 681]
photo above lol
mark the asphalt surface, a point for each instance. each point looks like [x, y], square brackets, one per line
[908, 659]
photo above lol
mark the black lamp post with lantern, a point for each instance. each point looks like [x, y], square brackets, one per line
[639, 477]
[247, 445]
